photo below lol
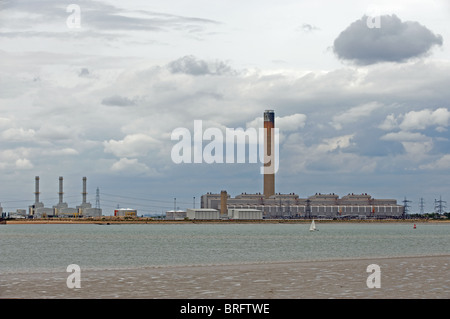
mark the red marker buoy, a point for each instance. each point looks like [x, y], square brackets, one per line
[414, 226]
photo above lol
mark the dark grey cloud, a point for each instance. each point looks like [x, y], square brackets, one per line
[84, 72]
[306, 27]
[117, 100]
[191, 65]
[390, 41]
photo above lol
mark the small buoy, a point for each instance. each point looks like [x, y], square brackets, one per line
[414, 226]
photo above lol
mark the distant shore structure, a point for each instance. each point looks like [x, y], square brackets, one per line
[318, 205]
[176, 214]
[203, 213]
[125, 212]
[62, 209]
[277, 205]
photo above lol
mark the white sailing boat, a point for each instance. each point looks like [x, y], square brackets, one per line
[312, 227]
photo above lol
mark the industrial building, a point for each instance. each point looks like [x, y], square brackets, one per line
[37, 210]
[273, 205]
[86, 209]
[202, 213]
[61, 209]
[176, 215]
[244, 214]
[125, 212]
[319, 205]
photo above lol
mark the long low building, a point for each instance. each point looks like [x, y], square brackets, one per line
[245, 213]
[175, 215]
[202, 213]
[318, 205]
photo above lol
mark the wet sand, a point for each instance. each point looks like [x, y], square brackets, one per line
[401, 277]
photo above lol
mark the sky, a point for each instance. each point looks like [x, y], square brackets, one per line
[360, 91]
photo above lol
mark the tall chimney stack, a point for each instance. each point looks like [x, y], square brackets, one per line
[269, 153]
[60, 190]
[223, 203]
[36, 190]
[84, 193]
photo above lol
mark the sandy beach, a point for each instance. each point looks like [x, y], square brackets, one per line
[401, 277]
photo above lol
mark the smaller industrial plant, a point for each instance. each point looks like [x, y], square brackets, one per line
[62, 209]
[125, 212]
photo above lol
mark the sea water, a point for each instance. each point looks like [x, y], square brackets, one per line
[46, 248]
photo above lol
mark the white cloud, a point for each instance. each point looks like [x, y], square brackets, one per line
[17, 135]
[416, 145]
[64, 151]
[390, 123]
[291, 123]
[420, 120]
[5, 122]
[354, 114]
[418, 150]
[132, 145]
[12, 155]
[132, 166]
[328, 155]
[23, 163]
[331, 144]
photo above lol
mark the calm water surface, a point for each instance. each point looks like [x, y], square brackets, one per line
[52, 247]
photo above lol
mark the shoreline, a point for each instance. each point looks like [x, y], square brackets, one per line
[115, 221]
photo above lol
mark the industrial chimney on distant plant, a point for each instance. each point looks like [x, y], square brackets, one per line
[269, 153]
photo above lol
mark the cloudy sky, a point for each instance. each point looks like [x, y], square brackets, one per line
[360, 90]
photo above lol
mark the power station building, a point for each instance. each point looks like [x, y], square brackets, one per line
[37, 210]
[273, 205]
[85, 209]
[318, 206]
[62, 209]
[245, 214]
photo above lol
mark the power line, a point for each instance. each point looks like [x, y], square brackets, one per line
[406, 206]
[144, 199]
[113, 204]
[32, 200]
[421, 205]
[439, 205]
